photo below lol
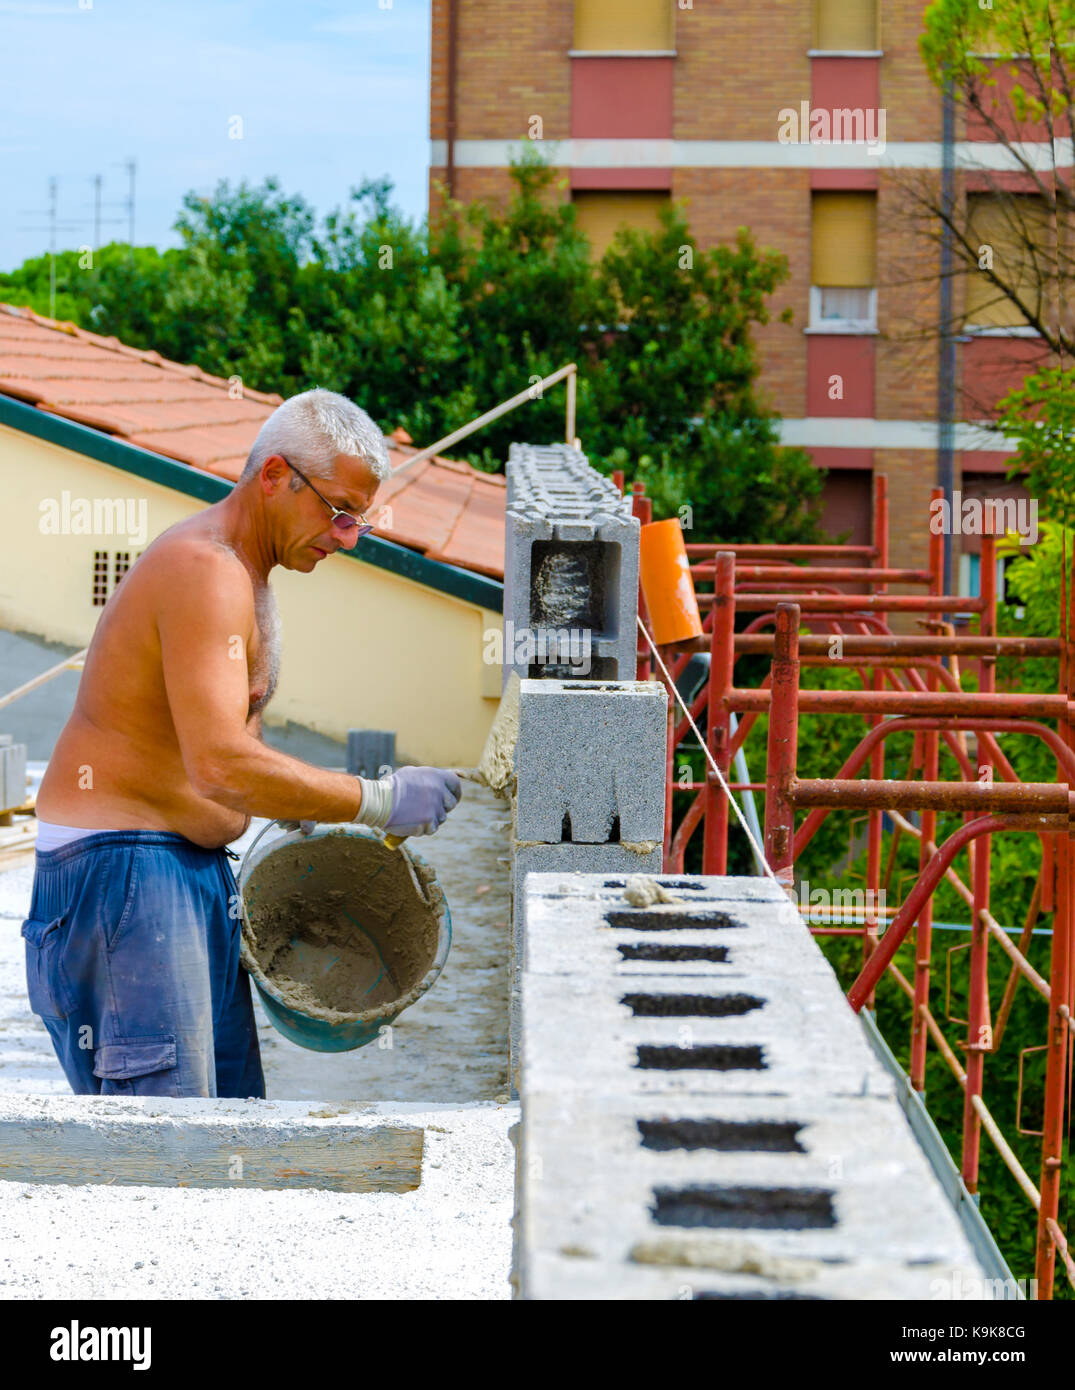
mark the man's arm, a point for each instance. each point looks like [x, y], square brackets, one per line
[205, 620]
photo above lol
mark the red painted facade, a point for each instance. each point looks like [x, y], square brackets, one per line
[841, 83]
[840, 375]
[621, 98]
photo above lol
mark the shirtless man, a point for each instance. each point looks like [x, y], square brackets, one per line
[132, 943]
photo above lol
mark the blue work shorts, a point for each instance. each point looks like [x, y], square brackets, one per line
[132, 963]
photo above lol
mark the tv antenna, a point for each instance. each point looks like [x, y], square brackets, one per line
[131, 167]
[54, 225]
[98, 220]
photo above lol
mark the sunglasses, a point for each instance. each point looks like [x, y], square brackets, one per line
[341, 521]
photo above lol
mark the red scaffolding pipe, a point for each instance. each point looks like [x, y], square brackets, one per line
[928, 701]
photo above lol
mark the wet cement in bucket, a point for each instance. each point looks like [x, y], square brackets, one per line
[337, 928]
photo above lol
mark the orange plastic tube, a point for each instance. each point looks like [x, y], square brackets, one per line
[664, 573]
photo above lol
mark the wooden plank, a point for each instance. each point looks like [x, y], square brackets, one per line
[14, 832]
[17, 842]
[157, 1151]
[12, 858]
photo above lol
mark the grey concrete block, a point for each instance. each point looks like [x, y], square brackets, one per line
[720, 926]
[590, 761]
[575, 859]
[12, 774]
[569, 1277]
[565, 861]
[710, 1128]
[577, 1036]
[759, 1198]
[571, 567]
[370, 750]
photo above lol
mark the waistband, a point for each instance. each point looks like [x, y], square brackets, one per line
[110, 839]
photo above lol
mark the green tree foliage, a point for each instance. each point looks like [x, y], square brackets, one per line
[960, 39]
[1039, 417]
[114, 282]
[429, 331]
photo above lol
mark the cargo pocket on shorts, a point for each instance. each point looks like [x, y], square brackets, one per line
[50, 994]
[129, 892]
[137, 1066]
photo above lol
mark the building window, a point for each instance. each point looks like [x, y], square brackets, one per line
[843, 275]
[601, 212]
[624, 26]
[969, 578]
[846, 26]
[100, 578]
[1013, 233]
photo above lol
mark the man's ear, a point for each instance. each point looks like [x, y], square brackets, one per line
[274, 474]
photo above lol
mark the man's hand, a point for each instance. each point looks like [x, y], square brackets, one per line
[421, 799]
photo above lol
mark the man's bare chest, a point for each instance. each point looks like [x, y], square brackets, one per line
[265, 660]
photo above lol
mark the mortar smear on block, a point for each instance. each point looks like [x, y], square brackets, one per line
[336, 928]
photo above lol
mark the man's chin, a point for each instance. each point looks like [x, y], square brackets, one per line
[302, 563]
[307, 559]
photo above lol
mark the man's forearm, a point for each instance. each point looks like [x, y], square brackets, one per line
[261, 781]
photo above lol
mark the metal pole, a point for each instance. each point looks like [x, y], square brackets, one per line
[642, 507]
[494, 414]
[1060, 986]
[721, 667]
[924, 925]
[783, 745]
[875, 823]
[900, 925]
[946, 376]
[979, 1027]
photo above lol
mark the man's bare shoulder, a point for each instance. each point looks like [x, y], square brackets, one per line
[188, 565]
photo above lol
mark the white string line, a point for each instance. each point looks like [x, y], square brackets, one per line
[758, 851]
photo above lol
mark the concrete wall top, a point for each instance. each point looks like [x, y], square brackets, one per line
[702, 1114]
[554, 489]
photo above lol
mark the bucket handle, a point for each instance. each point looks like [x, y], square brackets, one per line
[252, 844]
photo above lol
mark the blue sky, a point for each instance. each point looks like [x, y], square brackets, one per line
[329, 92]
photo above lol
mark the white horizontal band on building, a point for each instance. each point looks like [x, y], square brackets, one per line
[846, 432]
[754, 154]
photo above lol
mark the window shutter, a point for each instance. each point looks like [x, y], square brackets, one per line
[844, 240]
[600, 213]
[623, 24]
[1006, 225]
[846, 25]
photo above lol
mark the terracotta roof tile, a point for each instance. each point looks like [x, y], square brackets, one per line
[198, 445]
[479, 530]
[444, 508]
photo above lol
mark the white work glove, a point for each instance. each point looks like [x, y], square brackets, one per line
[413, 801]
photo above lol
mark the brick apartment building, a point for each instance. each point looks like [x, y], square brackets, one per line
[641, 101]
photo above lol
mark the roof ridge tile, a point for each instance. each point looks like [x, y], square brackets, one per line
[150, 356]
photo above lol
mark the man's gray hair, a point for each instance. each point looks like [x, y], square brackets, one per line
[311, 429]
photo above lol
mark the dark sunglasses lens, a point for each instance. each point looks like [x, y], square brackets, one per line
[364, 530]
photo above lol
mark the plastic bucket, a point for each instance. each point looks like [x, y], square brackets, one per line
[665, 576]
[336, 935]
